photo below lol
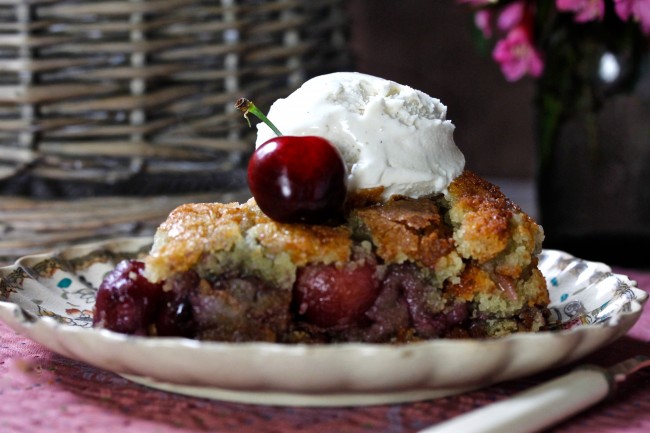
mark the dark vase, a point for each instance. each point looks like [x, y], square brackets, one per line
[593, 117]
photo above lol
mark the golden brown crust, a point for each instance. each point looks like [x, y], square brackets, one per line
[496, 294]
[473, 281]
[479, 193]
[406, 229]
[486, 221]
[486, 215]
[196, 230]
[306, 243]
[363, 198]
[486, 225]
[193, 229]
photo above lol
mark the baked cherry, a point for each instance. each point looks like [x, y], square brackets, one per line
[175, 315]
[330, 296]
[296, 178]
[126, 301]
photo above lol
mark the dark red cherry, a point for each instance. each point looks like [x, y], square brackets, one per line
[175, 316]
[330, 296]
[298, 179]
[126, 301]
[175, 313]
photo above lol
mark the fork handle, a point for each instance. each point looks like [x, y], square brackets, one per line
[534, 409]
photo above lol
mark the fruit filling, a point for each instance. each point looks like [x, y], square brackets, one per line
[363, 300]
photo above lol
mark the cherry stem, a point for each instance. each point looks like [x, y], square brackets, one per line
[246, 106]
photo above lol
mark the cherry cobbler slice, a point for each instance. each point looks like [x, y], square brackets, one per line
[458, 265]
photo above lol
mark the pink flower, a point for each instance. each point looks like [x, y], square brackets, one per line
[517, 56]
[585, 10]
[638, 9]
[507, 18]
[483, 21]
[511, 15]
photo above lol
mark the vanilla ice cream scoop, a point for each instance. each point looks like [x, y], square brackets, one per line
[389, 135]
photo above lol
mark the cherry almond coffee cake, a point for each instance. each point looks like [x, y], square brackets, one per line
[364, 226]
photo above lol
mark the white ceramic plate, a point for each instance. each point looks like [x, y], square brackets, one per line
[49, 298]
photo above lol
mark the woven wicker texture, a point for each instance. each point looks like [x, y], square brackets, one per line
[102, 101]
[136, 97]
[29, 226]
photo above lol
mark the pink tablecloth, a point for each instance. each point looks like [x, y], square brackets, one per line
[41, 391]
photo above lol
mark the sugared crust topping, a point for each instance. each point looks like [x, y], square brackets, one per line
[485, 221]
[195, 231]
[305, 243]
[473, 281]
[485, 226]
[406, 229]
[192, 230]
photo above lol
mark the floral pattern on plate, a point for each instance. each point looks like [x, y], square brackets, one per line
[50, 297]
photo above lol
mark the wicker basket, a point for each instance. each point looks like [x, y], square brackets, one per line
[131, 98]
[136, 97]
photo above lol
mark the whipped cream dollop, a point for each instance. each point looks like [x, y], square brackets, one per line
[389, 135]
